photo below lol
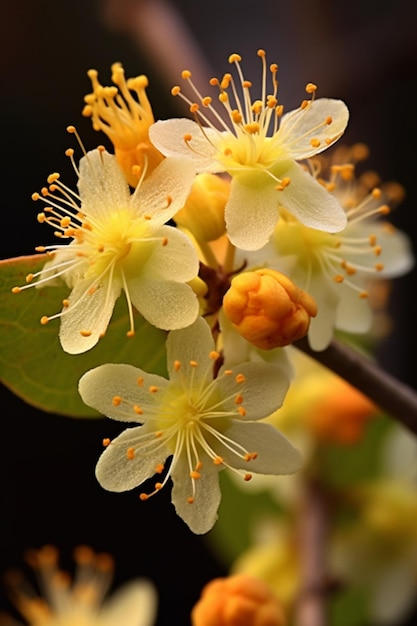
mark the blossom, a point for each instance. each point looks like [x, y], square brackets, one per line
[238, 599]
[268, 309]
[124, 119]
[335, 268]
[118, 241]
[259, 147]
[80, 601]
[203, 424]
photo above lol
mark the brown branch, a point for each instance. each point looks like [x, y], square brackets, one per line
[387, 392]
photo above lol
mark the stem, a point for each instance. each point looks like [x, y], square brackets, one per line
[391, 395]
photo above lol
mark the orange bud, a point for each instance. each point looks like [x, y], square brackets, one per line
[268, 309]
[203, 212]
[238, 599]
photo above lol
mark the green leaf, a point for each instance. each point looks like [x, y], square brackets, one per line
[32, 362]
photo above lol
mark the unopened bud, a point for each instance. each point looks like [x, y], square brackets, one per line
[268, 309]
[203, 212]
[238, 599]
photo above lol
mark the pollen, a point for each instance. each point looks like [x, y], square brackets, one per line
[130, 453]
[85, 333]
[193, 363]
[137, 409]
[240, 378]
[116, 400]
[106, 441]
[153, 388]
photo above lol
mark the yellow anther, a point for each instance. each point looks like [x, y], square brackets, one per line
[187, 137]
[311, 88]
[236, 116]
[363, 295]
[223, 97]
[239, 399]
[279, 110]
[140, 381]
[315, 142]
[194, 107]
[85, 333]
[328, 120]
[71, 129]
[240, 378]
[185, 74]
[44, 320]
[143, 496]
[29, 278]
[106, 441]
[130, 453]
[242, 411]
[214, 355]
[217, 460]
[379, 267]
[195, 475]
[41, 217]
[116, 400]
[193, 363]
[376, 193]
[52, 178]
[246, 84]
[228, 373]
[214, 82]
[190, 500]
[377, 250]
[176, 90]
[304, 104]
[35, 196]
[273, 68]
[252, 128]
[235, 58]
[247, 477]
[69, 152]
[261, 53]
[137, 409]
[159, 468]
[384, 209]
[16, 290]
[153, 388]
[158, 486]
[338, 278]
[177, 365]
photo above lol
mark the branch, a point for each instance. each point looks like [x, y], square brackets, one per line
[391, 395]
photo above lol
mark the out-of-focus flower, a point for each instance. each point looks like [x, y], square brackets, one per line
[204, 424]
[334, 268]
[238, 600]
[80, 601]
[125, 120]
[118, 242]
[259, 147]
[268, 309]
[203, 213]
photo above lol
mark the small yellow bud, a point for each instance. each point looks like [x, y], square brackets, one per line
[268, 309]
[203, 212]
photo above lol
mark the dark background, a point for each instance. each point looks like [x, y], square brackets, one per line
[361, 52]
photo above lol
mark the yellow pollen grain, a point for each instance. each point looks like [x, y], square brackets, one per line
[195, 475]
[137, 409]
[153, 388]
[86, 333]
[242, 411]
[193, 363]
[159, 468]
[239, 399]
[106, 441]
[240, 378]
[140, 381]
[247, 477]
[130, 453]
[116, 400]
[44, 320]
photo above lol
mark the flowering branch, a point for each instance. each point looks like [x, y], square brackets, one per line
[390, 394]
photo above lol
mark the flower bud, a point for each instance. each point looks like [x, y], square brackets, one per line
[238, 599]
[203, 213]
[268, 309]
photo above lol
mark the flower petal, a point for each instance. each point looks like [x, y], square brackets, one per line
[311, 203]
[353, 313]
[201, 515]
[165, 304]
[261, 393]
[252, 210]
[102, 184]
[165, 191]
[188, 346]
[301, 127]
[87, 315]
[98, 388]
[116, 472]
[176, 260]
[134, 604]
[275, 453]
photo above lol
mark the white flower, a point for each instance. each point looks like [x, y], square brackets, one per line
[118, 242]
[335, 268]
[204, 424]
[259, 147]
[81, 601]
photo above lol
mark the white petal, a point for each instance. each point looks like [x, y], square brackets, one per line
[134, 604]
[191, 344]
[102, 184]
[165, 304]
[321, 329]
[298, 128]
[311, 203]
[353, 313]
[201, 515]
[275, 454]
[168, 137]
[98, 388]
[116, 472]
[252, 210]
[165, 191]
[263, 390]
[177, 260]
[87, 312]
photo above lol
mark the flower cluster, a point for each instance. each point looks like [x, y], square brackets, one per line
[233, 233]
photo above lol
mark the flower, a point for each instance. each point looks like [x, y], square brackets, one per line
[81, 601]
[237, 600]
[268, 309]
[204, 424]
[125, 120]
[334, 268]
[118, 242]
[259, 147]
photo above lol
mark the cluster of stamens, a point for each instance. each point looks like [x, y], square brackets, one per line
[183, 418]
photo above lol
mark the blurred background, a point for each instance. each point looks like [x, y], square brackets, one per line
[361, 52]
